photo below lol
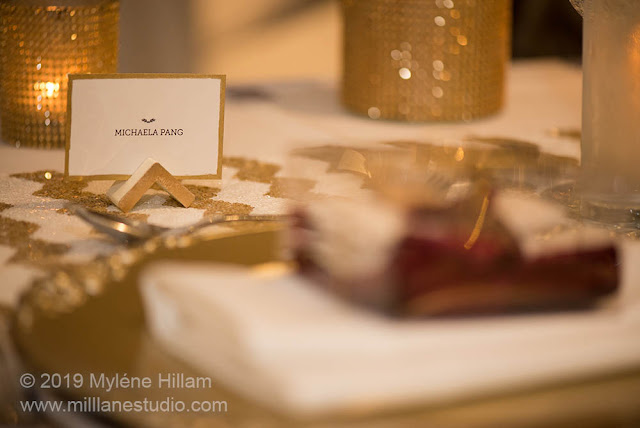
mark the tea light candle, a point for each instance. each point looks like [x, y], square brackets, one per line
[438, 60]
[41, 42]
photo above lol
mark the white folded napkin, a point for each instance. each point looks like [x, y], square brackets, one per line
[284, 342]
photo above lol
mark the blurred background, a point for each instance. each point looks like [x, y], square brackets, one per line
[251, 40]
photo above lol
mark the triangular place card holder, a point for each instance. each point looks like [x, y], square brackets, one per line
[126, 194]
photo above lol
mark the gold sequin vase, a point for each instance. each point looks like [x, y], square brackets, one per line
[41, 42]
[425, 60]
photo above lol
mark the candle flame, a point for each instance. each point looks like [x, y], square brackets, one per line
[48, 89]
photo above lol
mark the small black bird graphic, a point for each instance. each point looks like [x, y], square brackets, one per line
[148, 120]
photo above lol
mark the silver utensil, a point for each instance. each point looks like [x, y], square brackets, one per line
[9, 385]
[11, 394]
[127, 230]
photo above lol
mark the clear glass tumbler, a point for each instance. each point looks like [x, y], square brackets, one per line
[609, 187]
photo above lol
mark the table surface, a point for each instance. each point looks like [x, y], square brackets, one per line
[263, 123]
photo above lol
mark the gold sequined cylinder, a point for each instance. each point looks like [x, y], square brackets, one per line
[425, 60]
[41, 41]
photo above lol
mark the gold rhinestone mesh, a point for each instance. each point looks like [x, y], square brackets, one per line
[425, 60]
[40, 43]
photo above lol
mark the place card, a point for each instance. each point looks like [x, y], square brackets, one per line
[117, 121]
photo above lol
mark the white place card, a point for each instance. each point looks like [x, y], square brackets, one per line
[119, 120]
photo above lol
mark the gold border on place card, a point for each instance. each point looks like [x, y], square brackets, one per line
[72, 77]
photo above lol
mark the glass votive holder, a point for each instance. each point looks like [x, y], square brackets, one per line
[425, 60]
[41, 42]
[609, 186]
